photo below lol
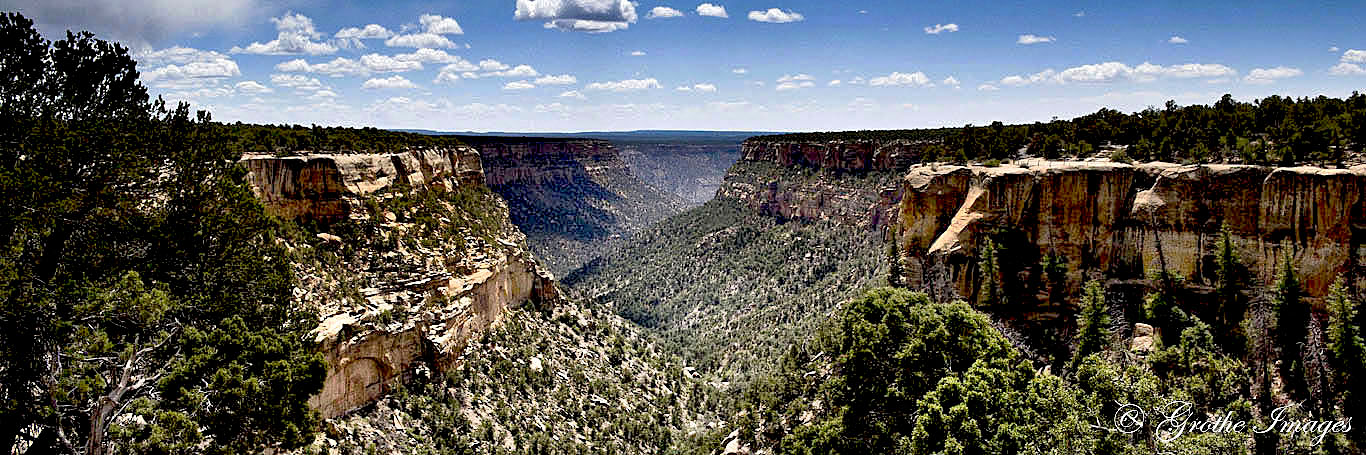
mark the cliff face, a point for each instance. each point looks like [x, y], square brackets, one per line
[854, 184]
[1113, 219]
[393, 292]
[325, 187]
[837, 155]
[574, 199]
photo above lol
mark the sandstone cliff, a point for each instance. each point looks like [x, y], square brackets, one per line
[1119, 220]
[419, 259]
[574, 198]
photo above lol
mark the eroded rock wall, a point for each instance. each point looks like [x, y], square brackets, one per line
[530, 161]
[1118, 220]
[420, 299]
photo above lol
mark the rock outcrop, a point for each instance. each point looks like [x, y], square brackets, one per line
[325, 186]
[398, 294]
[866, 199]
[1118, 220]
[531, 161]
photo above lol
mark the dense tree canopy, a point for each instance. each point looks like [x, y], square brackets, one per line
[145, 302]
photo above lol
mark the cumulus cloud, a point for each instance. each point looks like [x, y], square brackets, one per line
[740, 71]
[917, 78]
[296, 36]
[518, 85]
[420, 40]
[941, 28]
[710, 10]
[297, 82]
[987, 88]
[1113, 71]
[776, 16]
[663, 12]
[440, 25]
[592, 16]
[184, 63]
[1354, 56]
[372, 31]
[1269, 75]
[790, 82]
[628, 85]
[637, 53]
[1177, 40]
[426, 55]
[563, 79]
[1034, 39]
[390, 82]
[951, 81]
[1347, 69]
[252, 88]
[572, 94]
[366, 65]
[134, 22]
[489, 64]
[834, 83]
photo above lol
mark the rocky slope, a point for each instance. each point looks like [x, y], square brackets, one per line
[690, 170]
[572, 197]
[412, 258]
[1121, 220]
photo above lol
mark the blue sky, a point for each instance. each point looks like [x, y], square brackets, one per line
[580, 65]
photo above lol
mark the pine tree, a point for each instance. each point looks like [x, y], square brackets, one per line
[1292, 324]
[1347, 347]
[1229, 305]
[1094, 327]
[989, 286]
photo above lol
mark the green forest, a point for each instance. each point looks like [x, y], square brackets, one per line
[1275, 130]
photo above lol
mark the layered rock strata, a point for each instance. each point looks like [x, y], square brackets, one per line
[419, 298]
[1117, 220]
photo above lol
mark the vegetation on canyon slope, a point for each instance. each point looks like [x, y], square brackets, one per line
[146, 304]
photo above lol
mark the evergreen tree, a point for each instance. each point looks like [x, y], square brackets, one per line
[1292, 325]
[989, 271]
[1229, 303]
[146, 302]
[1094, 325]
[1347, 348]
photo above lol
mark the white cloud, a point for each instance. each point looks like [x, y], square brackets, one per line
[1112, 71]
[740, 71]
[386, 64]
[572, 94]
[705, 88]
[426, 55]
[1354, 56]
[951, 81]
[489, 64]
[637, 53]
[517, 71]
[941, 28]
[834, 83]
[776, 16]
[794, 85]
[518, 85]
[372, 31]
[439, 25]
[628, 85]
[563, 79]
[1079, 14]
[296, 36]
[1269, 75]
[1034, 39]
[452, 72]
[987, 88]
[798, 77]
[252, 87]
[1347, 69]
[183, 63]
[135, 23]
[553, 108]
[593, 16]
[897, 78]
[323, 95]
[419, 40]
[661, 12]
[1177, 40]
[390, 82]
[297, 81]
[708, 9]
[1332, 49]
